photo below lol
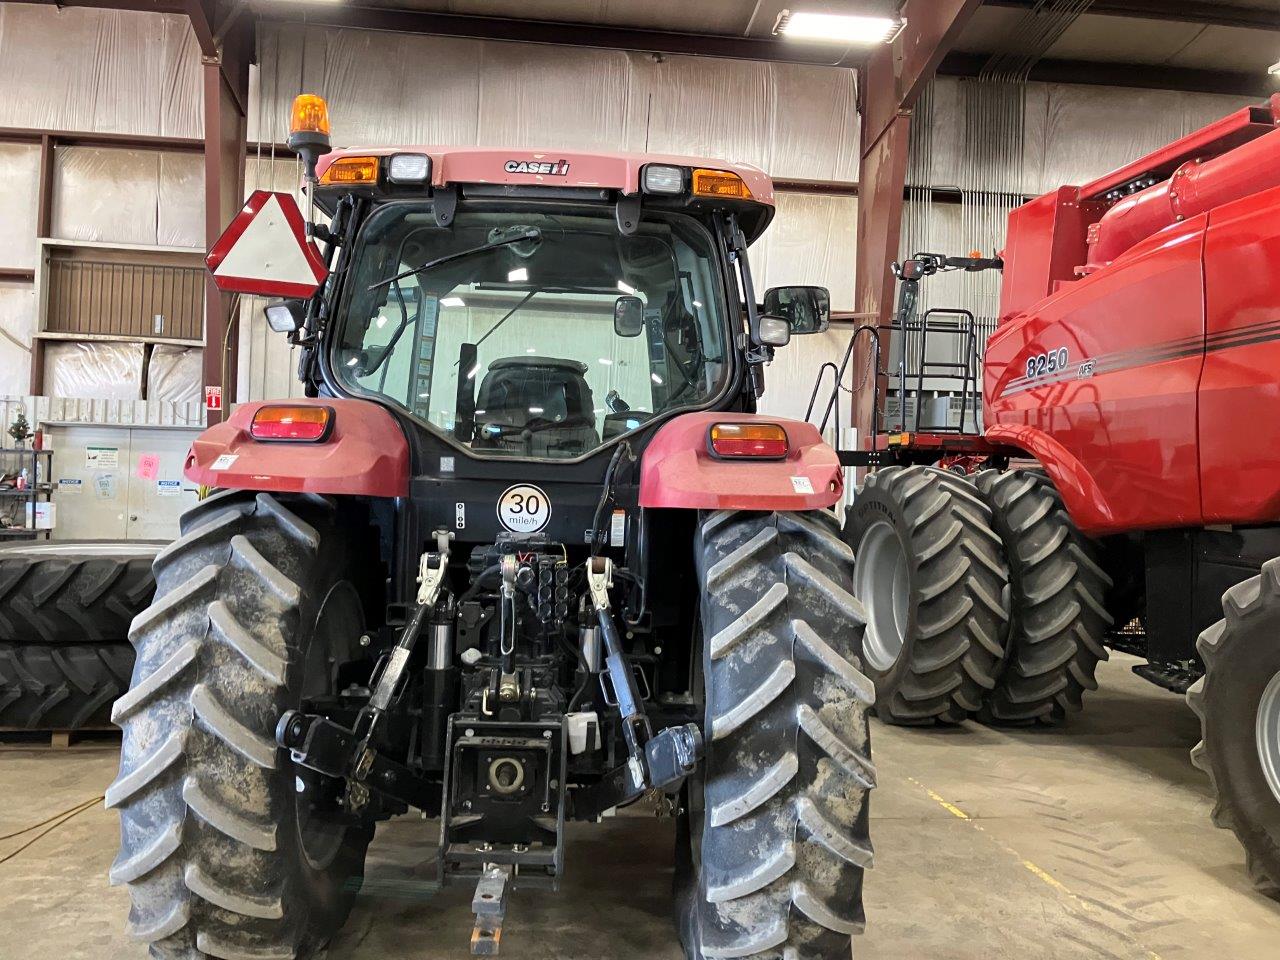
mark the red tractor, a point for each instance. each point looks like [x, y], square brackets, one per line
[524, 555]
[1130, 398]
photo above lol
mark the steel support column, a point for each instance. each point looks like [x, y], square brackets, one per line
[889, 86]
[226, 89]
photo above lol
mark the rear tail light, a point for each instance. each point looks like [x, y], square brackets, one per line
[300, 424]
[760, 441]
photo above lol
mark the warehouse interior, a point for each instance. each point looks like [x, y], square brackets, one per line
[134, 131]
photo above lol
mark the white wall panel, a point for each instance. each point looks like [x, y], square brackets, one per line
[20, 174]
[175, 374]
[385, 88]
[106, 195]
[101, 70]
[17, 322]
[812, 240]
[180, 200]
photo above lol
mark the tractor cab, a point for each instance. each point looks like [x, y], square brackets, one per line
[525, 553]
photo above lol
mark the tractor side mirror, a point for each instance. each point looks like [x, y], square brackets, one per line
[803, 309]
[628, 316]
[285, 316]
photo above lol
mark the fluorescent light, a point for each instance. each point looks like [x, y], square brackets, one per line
[453, 302]
[656, 379]
[518, 276]
[531, 350]
[627, 288]
[606, 361]
[1274, 69]
[698, 304]
[836, 28]
[535, 410]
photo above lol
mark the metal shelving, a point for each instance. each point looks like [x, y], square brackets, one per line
[39, 489]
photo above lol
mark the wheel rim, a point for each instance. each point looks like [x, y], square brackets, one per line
[882, 582]
[1269, 735]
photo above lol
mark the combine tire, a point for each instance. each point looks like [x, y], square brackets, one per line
[1238, 702]
[775, 831]
[65, 686]
[223, 858]
[1060, 619]
[932, 574]
[70, 592]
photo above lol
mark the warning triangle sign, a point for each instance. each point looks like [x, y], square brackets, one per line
[265, 250]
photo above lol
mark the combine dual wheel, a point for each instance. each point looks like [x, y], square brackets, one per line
[931, 571]
[1060, 617]
[1238, 702]
[222, 855]
[774, 838]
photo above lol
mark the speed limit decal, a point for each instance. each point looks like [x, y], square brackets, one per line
[524, 508]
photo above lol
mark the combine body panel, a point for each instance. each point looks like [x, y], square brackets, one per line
[1133, 356]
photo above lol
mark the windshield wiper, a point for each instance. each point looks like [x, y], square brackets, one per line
[517, 235]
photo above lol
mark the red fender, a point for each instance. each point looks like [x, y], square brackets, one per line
[365, 454]
[678, 470]
[1088, 508]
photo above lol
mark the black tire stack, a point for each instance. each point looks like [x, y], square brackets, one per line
[65, 610]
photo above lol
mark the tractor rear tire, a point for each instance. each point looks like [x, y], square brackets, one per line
[1238, 702]
[932, 575]
[73, 591]
[222, 856]
[62, 686]
[776, 828]
[1060, 620]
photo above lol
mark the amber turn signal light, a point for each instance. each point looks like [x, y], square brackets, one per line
[760, 441]
[301, 424]
[352, 170]
[720, 183]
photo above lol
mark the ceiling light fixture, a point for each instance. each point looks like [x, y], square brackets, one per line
[1274, 69]
[837, 28]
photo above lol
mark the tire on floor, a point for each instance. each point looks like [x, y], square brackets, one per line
[73, 591]
[1238, 702]
[776, 833]
[932, 575]
[61, 686]
[1060, 620]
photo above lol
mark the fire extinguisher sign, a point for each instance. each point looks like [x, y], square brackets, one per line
[212, 398]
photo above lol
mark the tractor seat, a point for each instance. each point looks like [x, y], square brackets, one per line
[536, 407]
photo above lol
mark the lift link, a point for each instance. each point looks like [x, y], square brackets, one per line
[655, 761]
[319, 744]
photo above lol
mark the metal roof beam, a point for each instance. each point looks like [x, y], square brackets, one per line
[561, 33]
[1176, 11]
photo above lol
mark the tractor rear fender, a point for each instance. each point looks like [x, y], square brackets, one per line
[364, 454]
[1085, 503]
[678, 469]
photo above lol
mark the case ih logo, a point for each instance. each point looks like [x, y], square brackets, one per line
[556, 168]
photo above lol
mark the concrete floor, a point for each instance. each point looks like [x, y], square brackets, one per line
[1091, 841]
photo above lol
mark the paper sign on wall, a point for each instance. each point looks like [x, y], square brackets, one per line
[148, 466]
[101, 458]
[70, 485]
[168, 488]
[104, 486]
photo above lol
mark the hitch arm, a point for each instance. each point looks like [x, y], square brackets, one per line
[653, 760]
[319, 744]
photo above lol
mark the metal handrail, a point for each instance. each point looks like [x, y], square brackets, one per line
[833, 400]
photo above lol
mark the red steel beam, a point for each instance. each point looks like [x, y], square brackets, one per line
[891, 83]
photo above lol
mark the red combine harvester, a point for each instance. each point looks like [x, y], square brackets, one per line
[1137, 362]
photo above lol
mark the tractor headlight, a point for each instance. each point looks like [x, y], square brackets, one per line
[659, 178]
[409, 168]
